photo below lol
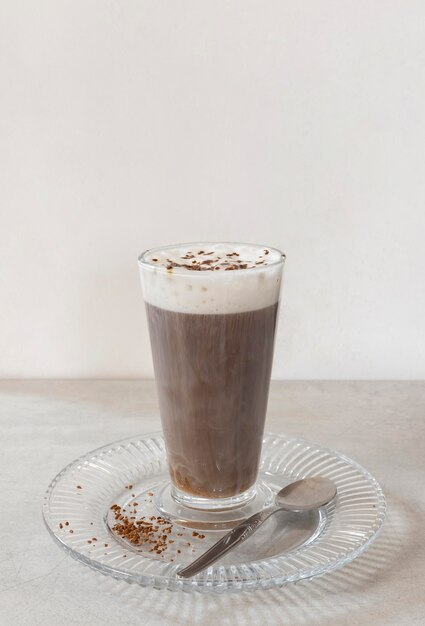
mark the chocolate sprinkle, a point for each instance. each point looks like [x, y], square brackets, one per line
[231, 262]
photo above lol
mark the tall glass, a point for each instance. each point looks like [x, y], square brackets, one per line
[212, 312]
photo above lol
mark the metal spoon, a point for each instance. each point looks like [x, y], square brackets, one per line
[302, 495]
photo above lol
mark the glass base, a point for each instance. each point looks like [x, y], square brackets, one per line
[211, 514]
[212, 504]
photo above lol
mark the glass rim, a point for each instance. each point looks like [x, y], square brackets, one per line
[145, 264]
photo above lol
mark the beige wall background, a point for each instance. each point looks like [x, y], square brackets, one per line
[129, 124]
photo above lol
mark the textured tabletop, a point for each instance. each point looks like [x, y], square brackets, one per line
[46, 424]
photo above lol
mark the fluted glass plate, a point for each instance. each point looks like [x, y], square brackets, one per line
[97, 507]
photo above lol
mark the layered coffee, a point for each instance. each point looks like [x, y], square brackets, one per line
[212, 314]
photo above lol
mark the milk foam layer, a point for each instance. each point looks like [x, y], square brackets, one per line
[211, 277]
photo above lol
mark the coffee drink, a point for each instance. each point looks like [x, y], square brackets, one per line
[212, 312]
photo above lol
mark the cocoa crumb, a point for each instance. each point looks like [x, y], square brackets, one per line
[61, 525]
[141, 531]
[66, 523]
[79, 487]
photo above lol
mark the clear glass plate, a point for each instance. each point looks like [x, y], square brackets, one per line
[132, 474]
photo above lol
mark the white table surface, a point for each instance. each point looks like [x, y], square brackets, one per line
[46, 424]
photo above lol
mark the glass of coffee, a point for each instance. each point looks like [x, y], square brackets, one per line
[212, 311]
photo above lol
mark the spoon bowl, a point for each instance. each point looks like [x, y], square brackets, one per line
[306, 494]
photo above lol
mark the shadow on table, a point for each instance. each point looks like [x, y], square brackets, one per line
[322, 600]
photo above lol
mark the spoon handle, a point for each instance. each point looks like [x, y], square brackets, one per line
[232, 539]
